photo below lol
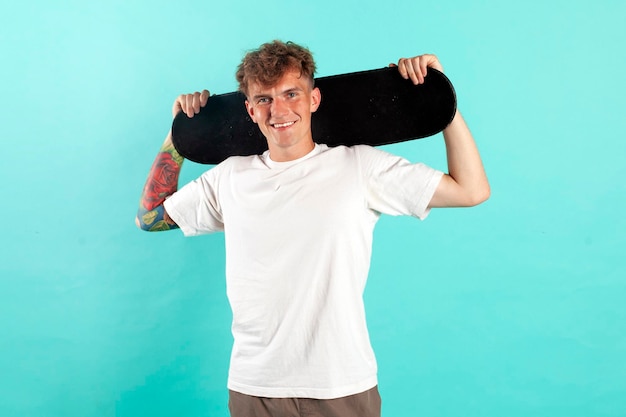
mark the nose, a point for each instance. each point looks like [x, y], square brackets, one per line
[279, 108]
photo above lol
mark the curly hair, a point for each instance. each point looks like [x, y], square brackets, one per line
[270, 61]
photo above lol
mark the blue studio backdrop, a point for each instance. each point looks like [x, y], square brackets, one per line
[513, 308]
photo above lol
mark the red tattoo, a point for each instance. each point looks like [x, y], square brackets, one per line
[162, 181]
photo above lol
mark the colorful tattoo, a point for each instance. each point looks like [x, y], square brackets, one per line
[154, 220]
[161, 183]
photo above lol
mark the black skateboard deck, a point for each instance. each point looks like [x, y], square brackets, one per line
[376, 107]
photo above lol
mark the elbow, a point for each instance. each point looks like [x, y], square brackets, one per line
[141, 225]
[479, 196]
[156, 220]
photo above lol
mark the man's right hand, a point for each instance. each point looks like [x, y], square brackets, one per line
[190, 104]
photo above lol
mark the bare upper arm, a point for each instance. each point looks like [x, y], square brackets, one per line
[450, 193]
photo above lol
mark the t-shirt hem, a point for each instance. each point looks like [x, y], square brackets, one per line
[421, 209]
[178, 219]
[315, 393]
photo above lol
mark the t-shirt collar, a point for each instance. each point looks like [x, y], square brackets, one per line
[282, 165]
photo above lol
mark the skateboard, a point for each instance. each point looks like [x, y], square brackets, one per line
[375, 107]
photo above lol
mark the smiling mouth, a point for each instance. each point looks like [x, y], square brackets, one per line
[282, 125]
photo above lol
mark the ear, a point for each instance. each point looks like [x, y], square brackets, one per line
[250, 110]
[316, 99]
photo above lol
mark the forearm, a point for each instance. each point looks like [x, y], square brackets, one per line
[466, 183]
[161, 183]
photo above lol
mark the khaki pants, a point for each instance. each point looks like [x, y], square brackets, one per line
[365, 404]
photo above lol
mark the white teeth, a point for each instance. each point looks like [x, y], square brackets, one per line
[279, 125]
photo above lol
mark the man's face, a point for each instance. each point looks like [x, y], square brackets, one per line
[283, 113]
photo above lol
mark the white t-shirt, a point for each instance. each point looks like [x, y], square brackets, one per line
[298, 244]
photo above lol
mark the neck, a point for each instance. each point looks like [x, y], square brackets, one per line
[291, 153]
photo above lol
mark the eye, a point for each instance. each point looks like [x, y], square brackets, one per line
[263, 100]
[292, 94]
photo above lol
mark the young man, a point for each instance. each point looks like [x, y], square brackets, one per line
[298, 223]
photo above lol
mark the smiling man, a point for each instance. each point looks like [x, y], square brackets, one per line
[298, 223]
[282, 111]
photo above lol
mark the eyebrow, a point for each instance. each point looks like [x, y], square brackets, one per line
[286, 91]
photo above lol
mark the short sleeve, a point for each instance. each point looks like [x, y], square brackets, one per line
[195, 207]
[394, 185]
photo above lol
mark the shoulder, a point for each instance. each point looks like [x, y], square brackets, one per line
[348, 151]
[371, 156]
[364, 155]
[234, 163]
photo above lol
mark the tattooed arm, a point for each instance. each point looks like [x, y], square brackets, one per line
[162, 180]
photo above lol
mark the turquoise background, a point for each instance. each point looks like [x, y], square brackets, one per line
[514, 308]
